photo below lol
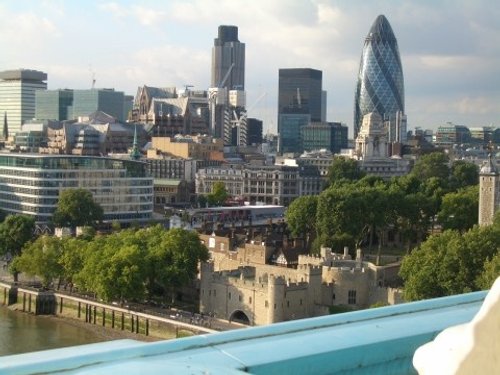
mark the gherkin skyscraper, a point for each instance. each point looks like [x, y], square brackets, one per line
[380, 85]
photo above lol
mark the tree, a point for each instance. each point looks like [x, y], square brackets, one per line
[15, 232]
[459, 210]
[114, 267]
[127, 264]
[450, 263]
[464, 174]
[218, 195]
[341, 213]
[344, 169]
[301, 217]
[430, 165]
[41, 258]
[76, 207]
[491, 272]
[174, 257]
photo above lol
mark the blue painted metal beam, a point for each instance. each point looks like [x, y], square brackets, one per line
[375, 341]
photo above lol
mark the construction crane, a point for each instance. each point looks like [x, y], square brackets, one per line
[238, 121]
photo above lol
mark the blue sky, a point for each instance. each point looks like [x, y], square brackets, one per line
[450, 50]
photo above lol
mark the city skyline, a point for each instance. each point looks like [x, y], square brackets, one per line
[449, 50]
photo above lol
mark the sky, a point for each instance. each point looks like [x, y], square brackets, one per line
[450, 50]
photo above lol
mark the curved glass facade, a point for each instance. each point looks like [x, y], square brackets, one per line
[380, 85]
[30, 184]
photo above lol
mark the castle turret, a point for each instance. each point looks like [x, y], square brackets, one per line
[489, 194]
[276, 295]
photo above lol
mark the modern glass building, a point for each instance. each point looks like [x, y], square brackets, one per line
[54, 105]
[17, 95]
[108, 101]
[331, 136]
[380, 85]
[300, 97]
[30, 184]
[290, 132]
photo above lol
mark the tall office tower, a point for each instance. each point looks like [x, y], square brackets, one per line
[228, 82]
[300, 100]
[86, 102]
[380, 86]
[17, 95]
[54, 105]
[228, 52]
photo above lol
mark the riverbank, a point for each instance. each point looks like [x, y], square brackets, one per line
[102, 333]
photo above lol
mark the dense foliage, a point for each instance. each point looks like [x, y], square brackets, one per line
[76, 207]
[15, 232]
[126, 265]
[452, 263]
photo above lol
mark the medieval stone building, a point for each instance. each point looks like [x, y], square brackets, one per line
[489, 192]
[258, 280]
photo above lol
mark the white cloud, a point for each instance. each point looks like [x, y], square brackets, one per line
[114, 9]
[451, 59]
[145, 16]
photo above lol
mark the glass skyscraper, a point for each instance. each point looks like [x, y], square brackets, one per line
[54, 105]
[380, 85]
[86, 102]
[300, 99]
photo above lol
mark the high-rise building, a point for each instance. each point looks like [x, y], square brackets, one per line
[108, 101]
[228, 52]
[227, 95]
[300, 99]
[54, 105]
[254, 135]
[17, 95]
[380, 85]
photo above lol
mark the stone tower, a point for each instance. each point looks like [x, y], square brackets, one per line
[489, 191]
[371, 142]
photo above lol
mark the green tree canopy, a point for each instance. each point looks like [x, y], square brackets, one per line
[301, 217]
[344, 169]
[76, 207]
[460, 210]
[173, 258]
[450, 263]
[15, 232]
[218, 195]
[491, 272]
[341, 213]
[127, 264]
[430, 165]
[463, 174]
[114, 267]
[41, 258]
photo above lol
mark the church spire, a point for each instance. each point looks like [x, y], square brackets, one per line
[135, 154]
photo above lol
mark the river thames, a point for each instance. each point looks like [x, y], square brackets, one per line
[21, 332]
